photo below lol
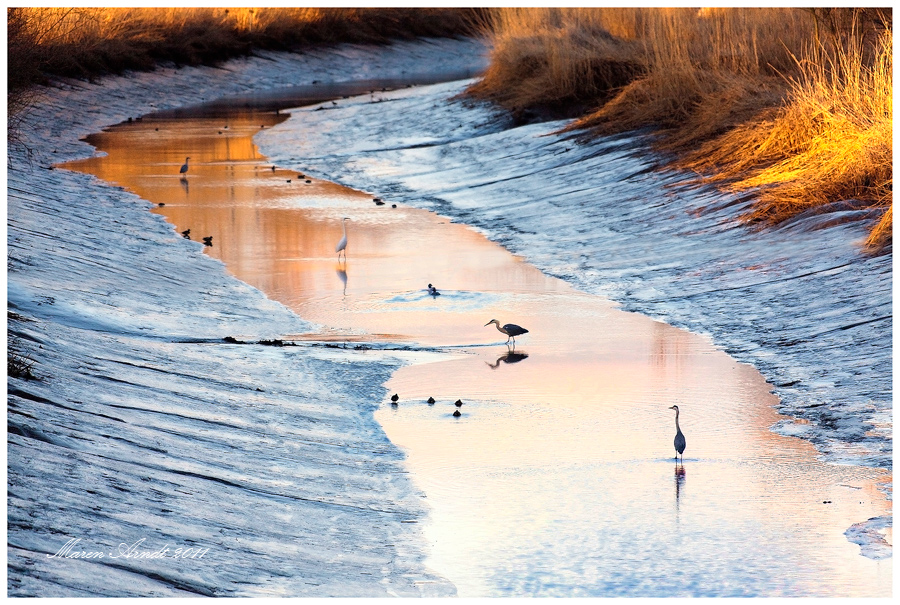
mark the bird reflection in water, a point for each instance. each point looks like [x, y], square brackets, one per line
[679, 483]
[185, 185]
[510, 357]
[342, 275]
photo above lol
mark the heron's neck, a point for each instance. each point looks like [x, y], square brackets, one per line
[499, 328]
[676, 421]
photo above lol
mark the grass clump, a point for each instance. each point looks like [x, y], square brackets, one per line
[830, 141]
[793, 103]
[18, 365]
[558, 61]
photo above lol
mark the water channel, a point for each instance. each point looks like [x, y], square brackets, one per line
[558, 478]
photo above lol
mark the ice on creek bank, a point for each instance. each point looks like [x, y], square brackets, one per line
[145, 428]
[870, 537]
[800, 302]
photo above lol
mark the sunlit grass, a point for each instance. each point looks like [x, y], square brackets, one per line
[795, 103]
[558, 56]
[830, 141]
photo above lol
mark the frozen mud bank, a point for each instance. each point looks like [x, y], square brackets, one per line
[800, 302]
[253, 470]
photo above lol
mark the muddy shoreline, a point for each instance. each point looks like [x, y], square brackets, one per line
[125, 321]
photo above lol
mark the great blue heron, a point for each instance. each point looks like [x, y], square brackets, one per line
[511, 330]
[679, 436]
[184, 168]
[342, 245]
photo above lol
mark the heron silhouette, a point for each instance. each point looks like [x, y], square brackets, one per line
[342, 245]
[184, 167]
[511, 330]
[679, 437]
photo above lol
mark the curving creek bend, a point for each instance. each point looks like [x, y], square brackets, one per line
[558, 478]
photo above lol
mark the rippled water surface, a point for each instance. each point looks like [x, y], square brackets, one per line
[558, 477]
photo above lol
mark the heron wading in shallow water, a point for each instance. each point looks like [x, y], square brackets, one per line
[511, 330]
[679, 437]
[184, 167]
[342, 245]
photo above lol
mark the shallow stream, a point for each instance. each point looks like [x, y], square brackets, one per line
[558, 478]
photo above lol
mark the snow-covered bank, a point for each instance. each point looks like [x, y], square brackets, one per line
[145, 428]
[800, 302]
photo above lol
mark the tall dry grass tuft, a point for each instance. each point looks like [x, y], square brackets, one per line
[795, 103]
[830, 141]
[705, 71]
[560, 58]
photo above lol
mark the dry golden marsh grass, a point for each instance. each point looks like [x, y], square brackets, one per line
[85, 42]
[795, 104]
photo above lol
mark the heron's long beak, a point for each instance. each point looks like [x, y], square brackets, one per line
[672, 408]
[488, 323]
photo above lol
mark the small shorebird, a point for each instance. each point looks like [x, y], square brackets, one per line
[342, 245]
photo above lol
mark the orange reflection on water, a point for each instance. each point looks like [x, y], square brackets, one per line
[564, 445]
[280, 236]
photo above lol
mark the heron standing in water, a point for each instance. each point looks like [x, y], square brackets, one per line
[184, 168]
[342, 245]
[679, 437]
[511, 330]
